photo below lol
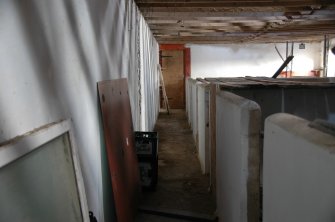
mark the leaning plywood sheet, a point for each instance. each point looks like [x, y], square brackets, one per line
[299, 166]
[237, 158]
[119, 138]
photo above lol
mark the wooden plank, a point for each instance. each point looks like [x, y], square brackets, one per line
[119, 139]
[171, 47]
[165, 98]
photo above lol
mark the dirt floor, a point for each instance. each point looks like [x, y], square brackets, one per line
[181, 185]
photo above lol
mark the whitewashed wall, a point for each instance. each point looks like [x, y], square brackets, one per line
[53, 53]
[237, 60]
[299, 166]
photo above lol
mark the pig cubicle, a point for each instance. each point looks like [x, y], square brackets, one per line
[239, 127]
[299, 166]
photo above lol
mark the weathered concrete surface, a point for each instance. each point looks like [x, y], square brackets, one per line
[203, 127]
[181, 185]
[238, 123]
[299, 166]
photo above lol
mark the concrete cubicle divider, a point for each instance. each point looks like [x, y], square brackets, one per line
[194, 117]
[192, 107]
[273, 96]
[237, 158]
[307, 100]
[197, 103]
[299, 166]
[188, 99]
[203, 126]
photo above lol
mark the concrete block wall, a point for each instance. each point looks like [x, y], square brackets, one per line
[203, 127]
[238, 123]
[299, 166]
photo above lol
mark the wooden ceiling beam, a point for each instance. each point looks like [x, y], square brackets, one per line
[323, 31]
[234, 40]
[232, 15]
[236, 3]
[238, 20]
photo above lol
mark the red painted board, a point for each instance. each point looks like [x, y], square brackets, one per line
[171, 47]
[119, 139]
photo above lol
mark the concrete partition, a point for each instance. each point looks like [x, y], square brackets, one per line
[299, 171]
[238, 123]
[203, 127]
[188, 98]
[306, 102]
[194, 105]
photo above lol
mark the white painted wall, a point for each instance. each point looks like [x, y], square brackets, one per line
[251, 59]
[53, 53]
[298, 173]
[238, 123]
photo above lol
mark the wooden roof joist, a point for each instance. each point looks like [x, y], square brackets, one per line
[179, 21]
[230, 3]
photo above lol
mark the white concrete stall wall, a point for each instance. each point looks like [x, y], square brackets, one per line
[195, 111]
[192, 101]
[188, 99]
[299, 166]
[238, 123]
[237, 60]
[203, 127]
[53, 53]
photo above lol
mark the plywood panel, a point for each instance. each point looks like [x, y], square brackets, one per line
[119, 138]
[173, 73]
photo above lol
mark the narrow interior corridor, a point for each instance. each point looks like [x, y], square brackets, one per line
[182, 188]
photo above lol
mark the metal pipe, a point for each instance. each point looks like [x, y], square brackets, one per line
[286, 57]
[279, 53]
[287, 61]
[292, 51]
[325, 56]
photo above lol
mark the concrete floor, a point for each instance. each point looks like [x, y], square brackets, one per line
[181, 185]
